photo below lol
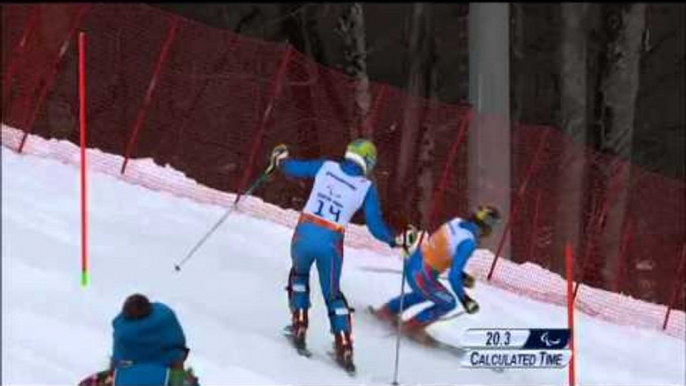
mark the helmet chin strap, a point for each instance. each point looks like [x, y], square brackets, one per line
[358, 159]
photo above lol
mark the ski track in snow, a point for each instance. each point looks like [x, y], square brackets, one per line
[230, 296]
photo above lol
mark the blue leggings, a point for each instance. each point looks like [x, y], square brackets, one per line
[424, 286]
[315, 244]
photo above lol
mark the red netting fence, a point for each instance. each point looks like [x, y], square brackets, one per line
[212, 104]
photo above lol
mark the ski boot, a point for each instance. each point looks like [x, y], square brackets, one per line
[299, 328]
[416, 331]
[344, 351]
[385, 315]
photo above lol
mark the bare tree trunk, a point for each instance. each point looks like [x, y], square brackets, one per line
[425, 167]
[573, 110]
[518, 80]
[574, 70]
[301, 30]
[416, 87]
[488, 139]
[620, 86]
[624, 26]
[312, 44]
[351, 28]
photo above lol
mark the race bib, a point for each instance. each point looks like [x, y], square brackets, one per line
[336, 196]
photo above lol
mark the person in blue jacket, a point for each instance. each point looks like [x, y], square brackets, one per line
[146, 332]
[447, 249]
[149, 347]
[340, 189]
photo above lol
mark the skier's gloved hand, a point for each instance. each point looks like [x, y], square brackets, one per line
[409, 238]
[279, 154]
[468, 280]
[470, 305]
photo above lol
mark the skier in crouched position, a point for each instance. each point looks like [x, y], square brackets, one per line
[339, 190]
[448, 248]
[149, 348]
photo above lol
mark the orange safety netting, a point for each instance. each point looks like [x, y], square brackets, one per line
[212, 104]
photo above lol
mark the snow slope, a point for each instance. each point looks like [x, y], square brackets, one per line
[230, 298]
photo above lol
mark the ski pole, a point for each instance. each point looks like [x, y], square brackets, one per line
[252, 187]
[405, 252]
[453, 316]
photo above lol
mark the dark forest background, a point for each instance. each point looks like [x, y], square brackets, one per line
[610, 75]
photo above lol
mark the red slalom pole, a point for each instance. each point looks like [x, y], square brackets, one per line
[570, 312]
[677, 281]
[82, 126]
[161, 60]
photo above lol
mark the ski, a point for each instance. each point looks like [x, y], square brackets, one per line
[427, 340]
[300, 349]
[455, 350]
[305, 352]
[349, 368]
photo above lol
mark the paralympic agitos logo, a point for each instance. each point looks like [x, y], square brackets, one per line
[548, 338]
[545, 338]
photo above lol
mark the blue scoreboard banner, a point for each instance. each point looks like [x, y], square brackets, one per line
[528, 348]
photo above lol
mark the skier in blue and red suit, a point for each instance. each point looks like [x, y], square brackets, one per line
[447, 250]
[339, 190]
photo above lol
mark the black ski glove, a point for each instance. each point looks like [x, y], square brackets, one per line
[470, 305]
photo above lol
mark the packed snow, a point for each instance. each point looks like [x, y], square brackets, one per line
[230, 296]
